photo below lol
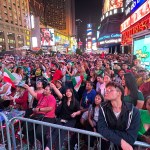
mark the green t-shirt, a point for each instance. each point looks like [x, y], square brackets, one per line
[130, 100]
[145, 119]
[99, 72]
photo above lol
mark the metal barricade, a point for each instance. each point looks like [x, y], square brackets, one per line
[141, 145]
[5, 142]
[71, 135]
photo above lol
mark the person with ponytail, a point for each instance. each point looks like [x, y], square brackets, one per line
[131, 92]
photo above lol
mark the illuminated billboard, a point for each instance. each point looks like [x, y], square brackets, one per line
[112, 4]
[110, 38]
[140, 13]
[132, 5]
[89, 26]
[89, 32]
[137, 27]
[47, 37]
[141, 50]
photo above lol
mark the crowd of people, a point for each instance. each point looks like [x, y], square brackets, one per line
[108, 94]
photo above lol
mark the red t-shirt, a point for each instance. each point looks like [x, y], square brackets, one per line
[23, 100]
[57, 75]
[46, 101]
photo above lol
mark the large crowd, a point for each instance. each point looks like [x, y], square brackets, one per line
[104, 93]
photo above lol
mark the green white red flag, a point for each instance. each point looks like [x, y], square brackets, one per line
[8, 77]
[77, 82]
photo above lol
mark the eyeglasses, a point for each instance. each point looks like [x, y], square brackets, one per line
[109, 91]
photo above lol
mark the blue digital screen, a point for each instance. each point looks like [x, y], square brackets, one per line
[132, 5]
[138, 4]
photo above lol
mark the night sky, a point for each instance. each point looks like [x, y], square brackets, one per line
[89, 11]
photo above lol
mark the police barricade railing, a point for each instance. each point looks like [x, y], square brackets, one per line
[141, 145]
[5, 142]
[68, 134]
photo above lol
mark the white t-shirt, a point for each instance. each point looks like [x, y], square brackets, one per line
[63, 70]
[100, 88]
[8, 92]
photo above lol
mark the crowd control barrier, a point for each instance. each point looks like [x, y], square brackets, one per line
[19, 140]
[5, 142]
[70, 132]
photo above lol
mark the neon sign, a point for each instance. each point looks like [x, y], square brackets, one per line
[110, 36]
[136, 16]
[132, 5]
[140, 26]
[110, 41]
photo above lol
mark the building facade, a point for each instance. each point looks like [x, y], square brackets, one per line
[14, 24]
[59, 20]
[60, 15]
[135, 32]
[109, 30]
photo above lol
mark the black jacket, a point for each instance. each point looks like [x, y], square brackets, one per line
[125, 127]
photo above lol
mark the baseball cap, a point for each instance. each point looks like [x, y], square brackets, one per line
[59, 81]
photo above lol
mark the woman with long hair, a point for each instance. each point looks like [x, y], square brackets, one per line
[19, 74]
[93, 114]
[92, 77]
[81, 72]
[66, 113]
[39, 90]
[144, 130]
[69, 74]
[132, 94]
[108, 70]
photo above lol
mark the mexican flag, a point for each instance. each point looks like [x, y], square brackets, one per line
[77, 82]
[46, 76]
[8, 77]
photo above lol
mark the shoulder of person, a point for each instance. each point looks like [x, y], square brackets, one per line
[131, 107]
[39, 95]
[139, 92]
[93, 91]
[142, 111]
[105, 104]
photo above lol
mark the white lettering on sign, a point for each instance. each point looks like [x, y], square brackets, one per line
[141, 12]
[111, 41]
[127, 11]
[131, 5]
[128, 2]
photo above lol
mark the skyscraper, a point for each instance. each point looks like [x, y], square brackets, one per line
[60, 14]
[14, 24]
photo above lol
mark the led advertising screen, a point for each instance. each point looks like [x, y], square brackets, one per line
[142, 50]
[47, 37]
[112, 4]
[89, 32]
[132, 5]
[89, 26]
